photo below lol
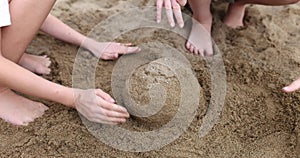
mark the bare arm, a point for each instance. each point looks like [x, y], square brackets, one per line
[17, 78]
[64, 33]
[103, 50]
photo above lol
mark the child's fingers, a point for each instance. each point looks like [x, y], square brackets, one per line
[104, 95]
[159, 4]
[177, 13]
[182, 2]
[178, 16]
[132, 50]
[112, 107]
[169, 12]
[127, 50]
[127, 44]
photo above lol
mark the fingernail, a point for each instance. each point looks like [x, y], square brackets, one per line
[112, 100]
[172, 24]
[124, 110]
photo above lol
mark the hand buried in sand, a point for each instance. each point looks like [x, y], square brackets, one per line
[109, 50]
[292, 87]
[171, 6]
[97, 106]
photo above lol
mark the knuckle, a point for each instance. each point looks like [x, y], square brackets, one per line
[168, 6]
[106, 113]
[109, 114]
[176, 7]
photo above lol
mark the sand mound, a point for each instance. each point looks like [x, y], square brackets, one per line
[148, 76]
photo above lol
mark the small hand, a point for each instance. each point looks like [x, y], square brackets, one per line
[97, 106]
[109, 50]
[171, 6]
[113, 50]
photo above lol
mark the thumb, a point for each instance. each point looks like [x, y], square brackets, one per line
[182, 2]
[292, 87]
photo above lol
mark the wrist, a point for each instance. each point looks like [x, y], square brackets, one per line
[70, 99]
[66, 96]
[87, 43]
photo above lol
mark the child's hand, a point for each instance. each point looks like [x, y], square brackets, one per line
[113, 50]
[97, 106]
[172, 6]
[109, 50]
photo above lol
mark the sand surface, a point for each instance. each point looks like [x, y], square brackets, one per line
[257, 120]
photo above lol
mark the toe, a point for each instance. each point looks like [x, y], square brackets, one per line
[18, 122]
[196, 51]
[191, 49]
[47, 71]
[48, 63]
[201, 52]
[29, 119]
[188, 45]
[209, 52]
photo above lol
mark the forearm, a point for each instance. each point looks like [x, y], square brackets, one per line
[21, 80]
[61, 31]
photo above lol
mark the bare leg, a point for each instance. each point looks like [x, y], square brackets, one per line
[27, 16]
[236, 11]
[199, 41]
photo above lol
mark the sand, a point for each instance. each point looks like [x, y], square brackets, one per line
[257, 120]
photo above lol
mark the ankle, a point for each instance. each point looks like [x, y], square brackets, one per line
[207, 20]
[238, 4]
[206, 23]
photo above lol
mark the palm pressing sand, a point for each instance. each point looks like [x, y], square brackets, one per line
[258, 120]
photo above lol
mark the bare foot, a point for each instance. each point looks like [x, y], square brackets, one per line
[35, 64]
[235, 15]
[109, 50]
[19, 110]
[292, 87]
[199, 41]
